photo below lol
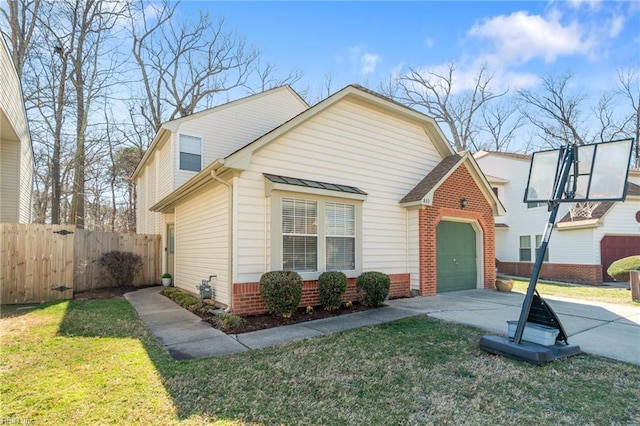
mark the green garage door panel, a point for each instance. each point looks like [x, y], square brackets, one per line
[456, 256]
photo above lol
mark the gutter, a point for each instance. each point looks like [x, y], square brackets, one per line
[229, 186]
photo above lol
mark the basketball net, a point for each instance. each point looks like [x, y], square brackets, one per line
[583, 210]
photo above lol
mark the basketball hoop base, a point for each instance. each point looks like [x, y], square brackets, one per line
[526, 351]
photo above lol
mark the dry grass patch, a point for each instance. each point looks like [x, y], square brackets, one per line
[619, 296]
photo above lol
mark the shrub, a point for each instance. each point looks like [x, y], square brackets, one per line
[122, 265]
[187, 301]
[619, 269]
[226, 321]
[373, 287]
[281, 292]
[166, 275]
[332, 286]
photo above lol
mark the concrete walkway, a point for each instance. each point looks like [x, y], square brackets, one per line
[598, 328]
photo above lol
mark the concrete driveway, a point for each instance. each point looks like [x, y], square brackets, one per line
[603, 329]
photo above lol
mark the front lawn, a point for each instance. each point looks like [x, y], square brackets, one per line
[93, 362]
[603, 294]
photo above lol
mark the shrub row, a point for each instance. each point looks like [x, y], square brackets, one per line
[282, 290]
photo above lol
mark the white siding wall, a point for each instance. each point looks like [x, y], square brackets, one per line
[16, 155]
[348, 144]
[202, 240]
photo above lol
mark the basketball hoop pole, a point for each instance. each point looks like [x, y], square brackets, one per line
[569, 160]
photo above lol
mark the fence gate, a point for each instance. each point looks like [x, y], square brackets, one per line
[37, 263]
[41, 263]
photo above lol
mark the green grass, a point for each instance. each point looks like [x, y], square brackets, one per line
[93, 362]
[619, 296]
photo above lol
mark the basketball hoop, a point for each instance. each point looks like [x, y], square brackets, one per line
[583, 210]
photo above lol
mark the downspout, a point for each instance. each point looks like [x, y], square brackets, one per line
[230, 245]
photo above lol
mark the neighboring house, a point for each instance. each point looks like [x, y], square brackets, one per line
[16, 152]
[355, 183]
[582, 245]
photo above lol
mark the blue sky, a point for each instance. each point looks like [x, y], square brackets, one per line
[366, 42]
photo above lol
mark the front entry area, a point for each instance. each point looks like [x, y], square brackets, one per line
[456, 256]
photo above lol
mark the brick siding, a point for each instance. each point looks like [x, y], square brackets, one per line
[573, 273]
[247, 299]
[446, 203]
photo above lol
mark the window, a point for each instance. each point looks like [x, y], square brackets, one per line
[190, 153]
[538, 243]
[318, 235]
[534, 205]
[525, 248]
[299, 235]
[495, 190]
[340, 224]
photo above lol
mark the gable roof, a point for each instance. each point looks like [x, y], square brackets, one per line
[513, 155]
[171, 126]
[241, 157]
[422, 193]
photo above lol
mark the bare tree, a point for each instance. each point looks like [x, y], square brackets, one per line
[629, 88]
[184, 64]
[439, 96]
[555, 112]
[21, 18]
[268, 77]
[501, 123]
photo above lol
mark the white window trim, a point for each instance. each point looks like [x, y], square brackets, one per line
[276, 230]
[178, 152]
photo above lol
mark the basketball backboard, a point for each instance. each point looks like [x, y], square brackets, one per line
[599, 173]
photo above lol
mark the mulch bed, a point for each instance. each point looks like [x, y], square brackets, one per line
[265, 321]
[251, 323]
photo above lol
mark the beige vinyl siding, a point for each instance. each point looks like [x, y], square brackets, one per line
[230, 128]
[165, 171]
[151, 197]
[26, 183]
[9, 181]
[16, 154]
[347, 144]
[202, 240]
[141, 203]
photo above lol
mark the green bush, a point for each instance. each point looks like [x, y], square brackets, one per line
[186, 300]
[122, 265]
[228, 322]
[619, 269]
[281, 292]
[332, 286]
[373, 287]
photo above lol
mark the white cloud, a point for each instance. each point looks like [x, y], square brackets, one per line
[429, 43]
[370, 62]
[617, 25]
[520, 37]
[366, 62]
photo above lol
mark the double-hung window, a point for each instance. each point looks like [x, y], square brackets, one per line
[538, 243]
[190, 153]
[318, 235]
[299, 235]
[340, 233]
[525, 248]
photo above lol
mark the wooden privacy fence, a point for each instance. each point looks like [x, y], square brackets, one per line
[50, 262]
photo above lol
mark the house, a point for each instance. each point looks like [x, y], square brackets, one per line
[16, 152]
[354, 183]
[583, 243]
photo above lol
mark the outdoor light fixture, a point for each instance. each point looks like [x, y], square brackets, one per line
[463, 203]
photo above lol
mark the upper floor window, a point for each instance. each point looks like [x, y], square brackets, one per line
[190, 153]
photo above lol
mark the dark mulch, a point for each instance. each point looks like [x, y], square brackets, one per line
[265, 321]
